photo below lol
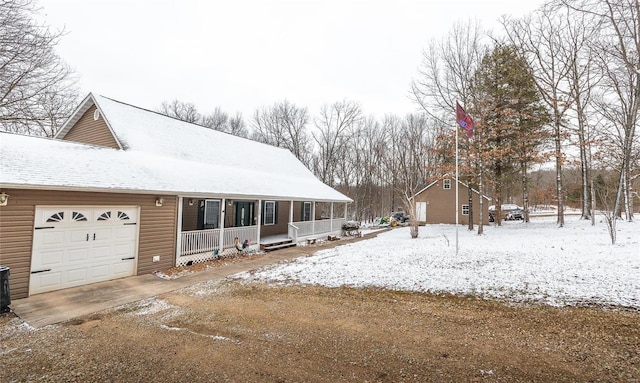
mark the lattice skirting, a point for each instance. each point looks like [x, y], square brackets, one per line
[210, 255]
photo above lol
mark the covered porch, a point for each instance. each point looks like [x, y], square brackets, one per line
[209, 228]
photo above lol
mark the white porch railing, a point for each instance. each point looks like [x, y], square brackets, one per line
[293, 232]
[244, 232]
[315, 228]
[199, 241]
[202, 245]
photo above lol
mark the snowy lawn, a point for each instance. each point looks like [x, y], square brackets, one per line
[537, 261]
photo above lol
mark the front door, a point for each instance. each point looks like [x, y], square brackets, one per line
[244, 213]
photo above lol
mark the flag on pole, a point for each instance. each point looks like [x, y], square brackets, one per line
[464, 120]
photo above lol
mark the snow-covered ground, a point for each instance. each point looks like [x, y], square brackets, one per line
[535, 262]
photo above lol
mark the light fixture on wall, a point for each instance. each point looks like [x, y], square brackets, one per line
[190, 202]
[4, 199]
[159, 201]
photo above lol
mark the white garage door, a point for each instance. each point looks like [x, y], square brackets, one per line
[75, 246]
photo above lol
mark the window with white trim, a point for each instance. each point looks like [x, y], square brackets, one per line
[211, 214]
[446, 184]
[269, 212]
[306, 211]
[465, 209]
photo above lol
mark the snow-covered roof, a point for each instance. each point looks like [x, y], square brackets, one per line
[163, 155]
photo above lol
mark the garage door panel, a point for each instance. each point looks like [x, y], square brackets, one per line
[77, 237]
[123, 268]
[124, 250]
[51, 237]
[47, 280]
[103, 254]
[125, 233]
[73, 246]
[102, 235]
[76, 276]
[77, 255]
[48, 259]
[100, 272]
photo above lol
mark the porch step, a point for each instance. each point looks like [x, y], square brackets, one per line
[277, 245]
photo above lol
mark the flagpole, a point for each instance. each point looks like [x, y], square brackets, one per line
[456, 131]
[465, 122]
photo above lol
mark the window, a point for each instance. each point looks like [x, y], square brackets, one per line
[306, 211]
[57, 217]
[269, 212]
[76, 216]
[465, 209]
[211, 214]
[446, 184]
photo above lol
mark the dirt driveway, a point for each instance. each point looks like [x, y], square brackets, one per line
[232, 331]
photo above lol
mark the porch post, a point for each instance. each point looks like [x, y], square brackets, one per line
[345, 210]
[331, 219]
[179, 231]
[313, 218]
[291, 211]
[259, 220]
[223, 210]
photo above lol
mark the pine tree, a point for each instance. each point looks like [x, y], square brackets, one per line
[512, 119]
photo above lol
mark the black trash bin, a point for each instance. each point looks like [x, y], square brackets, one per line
[5, 294]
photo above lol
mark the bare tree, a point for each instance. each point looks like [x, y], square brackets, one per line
[446, 71]
[619, 48]
[237, 126]
[446, 76]
[184, 111]
[334, 128]
[540, 37]
[218, 120]
[414, 142]
[284, 125]
[583, 78]
[37, 89]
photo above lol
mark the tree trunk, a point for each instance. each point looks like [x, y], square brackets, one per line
[559, 191]
[470, 226]
[481, 210]
[525, 193]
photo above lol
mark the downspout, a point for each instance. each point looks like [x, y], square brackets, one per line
[179, 231]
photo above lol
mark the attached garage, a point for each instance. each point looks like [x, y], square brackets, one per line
[77, 245]
[53, 239]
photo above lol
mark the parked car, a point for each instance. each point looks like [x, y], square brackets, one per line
[515, 214]
[510, 212]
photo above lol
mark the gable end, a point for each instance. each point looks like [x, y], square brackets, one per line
[88, 130]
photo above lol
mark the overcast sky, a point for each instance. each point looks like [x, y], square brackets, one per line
[245, 54]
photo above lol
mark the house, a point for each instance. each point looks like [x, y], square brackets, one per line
[436, 203]
[124, 191]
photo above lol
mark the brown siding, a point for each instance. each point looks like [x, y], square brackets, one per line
[190, 214]
[441, 205]
[90, 131]
[281, 226]
[157, 232]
